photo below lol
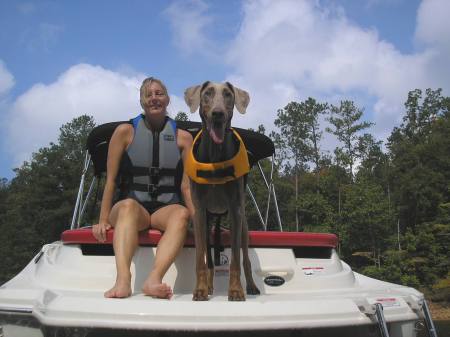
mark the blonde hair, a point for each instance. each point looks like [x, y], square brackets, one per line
[150, 80]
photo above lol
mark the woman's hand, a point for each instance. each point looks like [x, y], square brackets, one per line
[99, 230]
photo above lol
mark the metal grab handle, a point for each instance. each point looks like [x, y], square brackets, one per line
[428, 320]
[381, 320]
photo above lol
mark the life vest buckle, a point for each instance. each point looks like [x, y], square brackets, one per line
[154, 171]
[152, 189]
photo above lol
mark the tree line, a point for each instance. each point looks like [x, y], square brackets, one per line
[388, 203]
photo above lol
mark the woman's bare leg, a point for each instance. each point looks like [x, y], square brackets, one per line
[173, 221]
[127, 217]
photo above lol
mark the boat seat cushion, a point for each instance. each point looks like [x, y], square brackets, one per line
[256, 238]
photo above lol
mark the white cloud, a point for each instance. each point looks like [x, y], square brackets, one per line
[189, 22]
[36, 115]
[292, 49]
[6, 79]
[433, 25]
[433, 34]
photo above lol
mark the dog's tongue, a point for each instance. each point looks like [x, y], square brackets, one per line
[216, 135]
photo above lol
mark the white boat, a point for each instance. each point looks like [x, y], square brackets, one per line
[305, 287]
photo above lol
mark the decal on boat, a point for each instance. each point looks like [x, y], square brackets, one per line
[308, 271]
[387, 302]
[223, 259]
[223, 269]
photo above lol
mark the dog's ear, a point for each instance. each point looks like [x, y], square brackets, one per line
[192, 97]
[241, 98]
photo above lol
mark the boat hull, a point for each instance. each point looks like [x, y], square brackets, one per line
[62, 288]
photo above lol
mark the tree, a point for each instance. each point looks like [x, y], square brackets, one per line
[366, 218]
[3, 196]
[41, 197]
[298, 141]
[181, 116]
[420, 163]
[313, 111]
[345, 120]
[374, 164]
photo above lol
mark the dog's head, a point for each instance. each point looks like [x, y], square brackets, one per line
[216, 102]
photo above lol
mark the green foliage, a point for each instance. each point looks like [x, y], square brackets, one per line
[3, 195]
[440, 291]
[362, 192]
[298, 142]
[365, 216]
[317, 213]
[422, 262]
[420, 163]
[345, 120]
[299, 139]
[181, 116]
[39, 201]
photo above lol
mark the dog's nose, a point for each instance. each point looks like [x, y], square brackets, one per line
[217, 114]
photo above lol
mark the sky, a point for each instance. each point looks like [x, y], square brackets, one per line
[61, 59]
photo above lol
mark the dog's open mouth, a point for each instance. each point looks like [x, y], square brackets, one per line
[216, 131]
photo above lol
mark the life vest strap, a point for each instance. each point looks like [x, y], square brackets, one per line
[139, 171]
[218, 173]
[153, 189]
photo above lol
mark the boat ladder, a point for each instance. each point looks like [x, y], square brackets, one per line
[428, 320]
[381, 320]
[418, 306]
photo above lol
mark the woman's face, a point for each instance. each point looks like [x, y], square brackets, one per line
[155, 99]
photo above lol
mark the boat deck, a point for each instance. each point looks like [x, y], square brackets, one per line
[64, 285]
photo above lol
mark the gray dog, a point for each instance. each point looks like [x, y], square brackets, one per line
[217, 184]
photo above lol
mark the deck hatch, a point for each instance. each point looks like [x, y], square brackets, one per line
[97, 249]
[312, 252]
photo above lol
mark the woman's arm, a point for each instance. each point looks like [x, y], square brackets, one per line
[185, 143]
[120, 140]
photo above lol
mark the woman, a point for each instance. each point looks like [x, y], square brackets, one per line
[148, 153]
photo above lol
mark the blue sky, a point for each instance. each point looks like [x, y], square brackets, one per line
[60, 59]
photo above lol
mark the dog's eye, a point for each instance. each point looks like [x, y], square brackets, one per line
[209, 92]
[227, 94]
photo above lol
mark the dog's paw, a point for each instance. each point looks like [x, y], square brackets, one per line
[253, 290]
[200, 295]
[236, 295]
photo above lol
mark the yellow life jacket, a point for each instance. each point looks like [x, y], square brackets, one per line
[217, 173]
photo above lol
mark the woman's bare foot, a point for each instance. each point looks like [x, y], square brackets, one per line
[121, 289]
[157, 289]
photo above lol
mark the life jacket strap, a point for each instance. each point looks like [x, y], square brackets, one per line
[153, 189]
[216, 174]
[138, 171]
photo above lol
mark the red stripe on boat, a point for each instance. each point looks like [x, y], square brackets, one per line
[257, 238]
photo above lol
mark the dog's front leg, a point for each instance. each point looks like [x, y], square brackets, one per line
[235, 290]
[201, 288]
